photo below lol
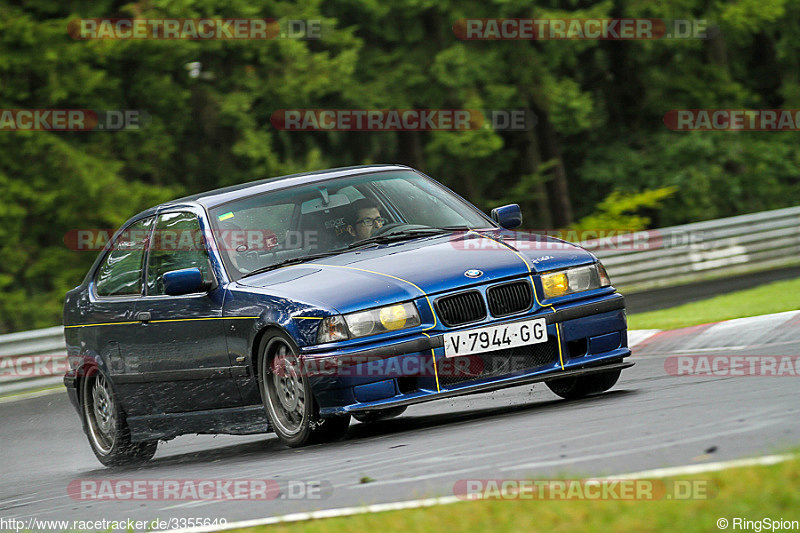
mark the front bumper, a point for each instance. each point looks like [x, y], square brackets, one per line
[589, 337]
[410, 399]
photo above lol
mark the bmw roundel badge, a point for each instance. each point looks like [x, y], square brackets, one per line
[473, 273]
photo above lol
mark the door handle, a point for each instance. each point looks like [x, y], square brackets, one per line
[144, 316]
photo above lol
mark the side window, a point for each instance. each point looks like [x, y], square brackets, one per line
[177, 243]
[120, 273]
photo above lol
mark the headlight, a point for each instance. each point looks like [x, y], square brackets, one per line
[605, 281]
[371, 322]
[574, 280]
[332, 329]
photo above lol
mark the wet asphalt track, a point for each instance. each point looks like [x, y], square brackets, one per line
[649, 420]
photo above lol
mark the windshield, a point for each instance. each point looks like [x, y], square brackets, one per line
[332, 216]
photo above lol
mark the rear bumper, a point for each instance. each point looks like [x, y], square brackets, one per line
[70, 382]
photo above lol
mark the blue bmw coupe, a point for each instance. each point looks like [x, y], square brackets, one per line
[291, 304]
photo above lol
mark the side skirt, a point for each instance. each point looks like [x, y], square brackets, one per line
[233, 421]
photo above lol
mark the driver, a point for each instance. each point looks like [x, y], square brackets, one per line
[366, 219]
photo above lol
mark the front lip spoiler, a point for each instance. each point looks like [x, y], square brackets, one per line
[487, 387]
[612, 303]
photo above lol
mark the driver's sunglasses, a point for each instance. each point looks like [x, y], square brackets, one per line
[369, 222]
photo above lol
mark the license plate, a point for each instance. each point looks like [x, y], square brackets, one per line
[493, 338]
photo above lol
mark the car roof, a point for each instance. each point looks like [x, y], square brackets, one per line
[216, 197]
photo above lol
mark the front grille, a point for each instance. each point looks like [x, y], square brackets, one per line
[455, 370]
[461, 308]
[509, 298]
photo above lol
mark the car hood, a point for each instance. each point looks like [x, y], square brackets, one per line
[370, 277]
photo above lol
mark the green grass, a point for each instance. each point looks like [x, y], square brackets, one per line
[761, 300]
[752, 493]
[28, 392]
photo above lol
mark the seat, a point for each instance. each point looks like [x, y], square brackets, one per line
[329, 226]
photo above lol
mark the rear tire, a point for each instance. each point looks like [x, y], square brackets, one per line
[105, 425]
[581, 386]
[383, 414]
[291, 408]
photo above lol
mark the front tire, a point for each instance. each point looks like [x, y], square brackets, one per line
[105, 426]
[291, 408]
[581, 386]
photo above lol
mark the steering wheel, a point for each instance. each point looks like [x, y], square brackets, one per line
[394, 225]
[388, 227]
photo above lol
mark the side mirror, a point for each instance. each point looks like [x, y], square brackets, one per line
[184, 281]
[508, 216]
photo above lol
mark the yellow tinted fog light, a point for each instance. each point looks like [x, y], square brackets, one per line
[555, 284]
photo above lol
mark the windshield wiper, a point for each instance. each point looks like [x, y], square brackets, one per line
[405, 234]
[291, 261]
